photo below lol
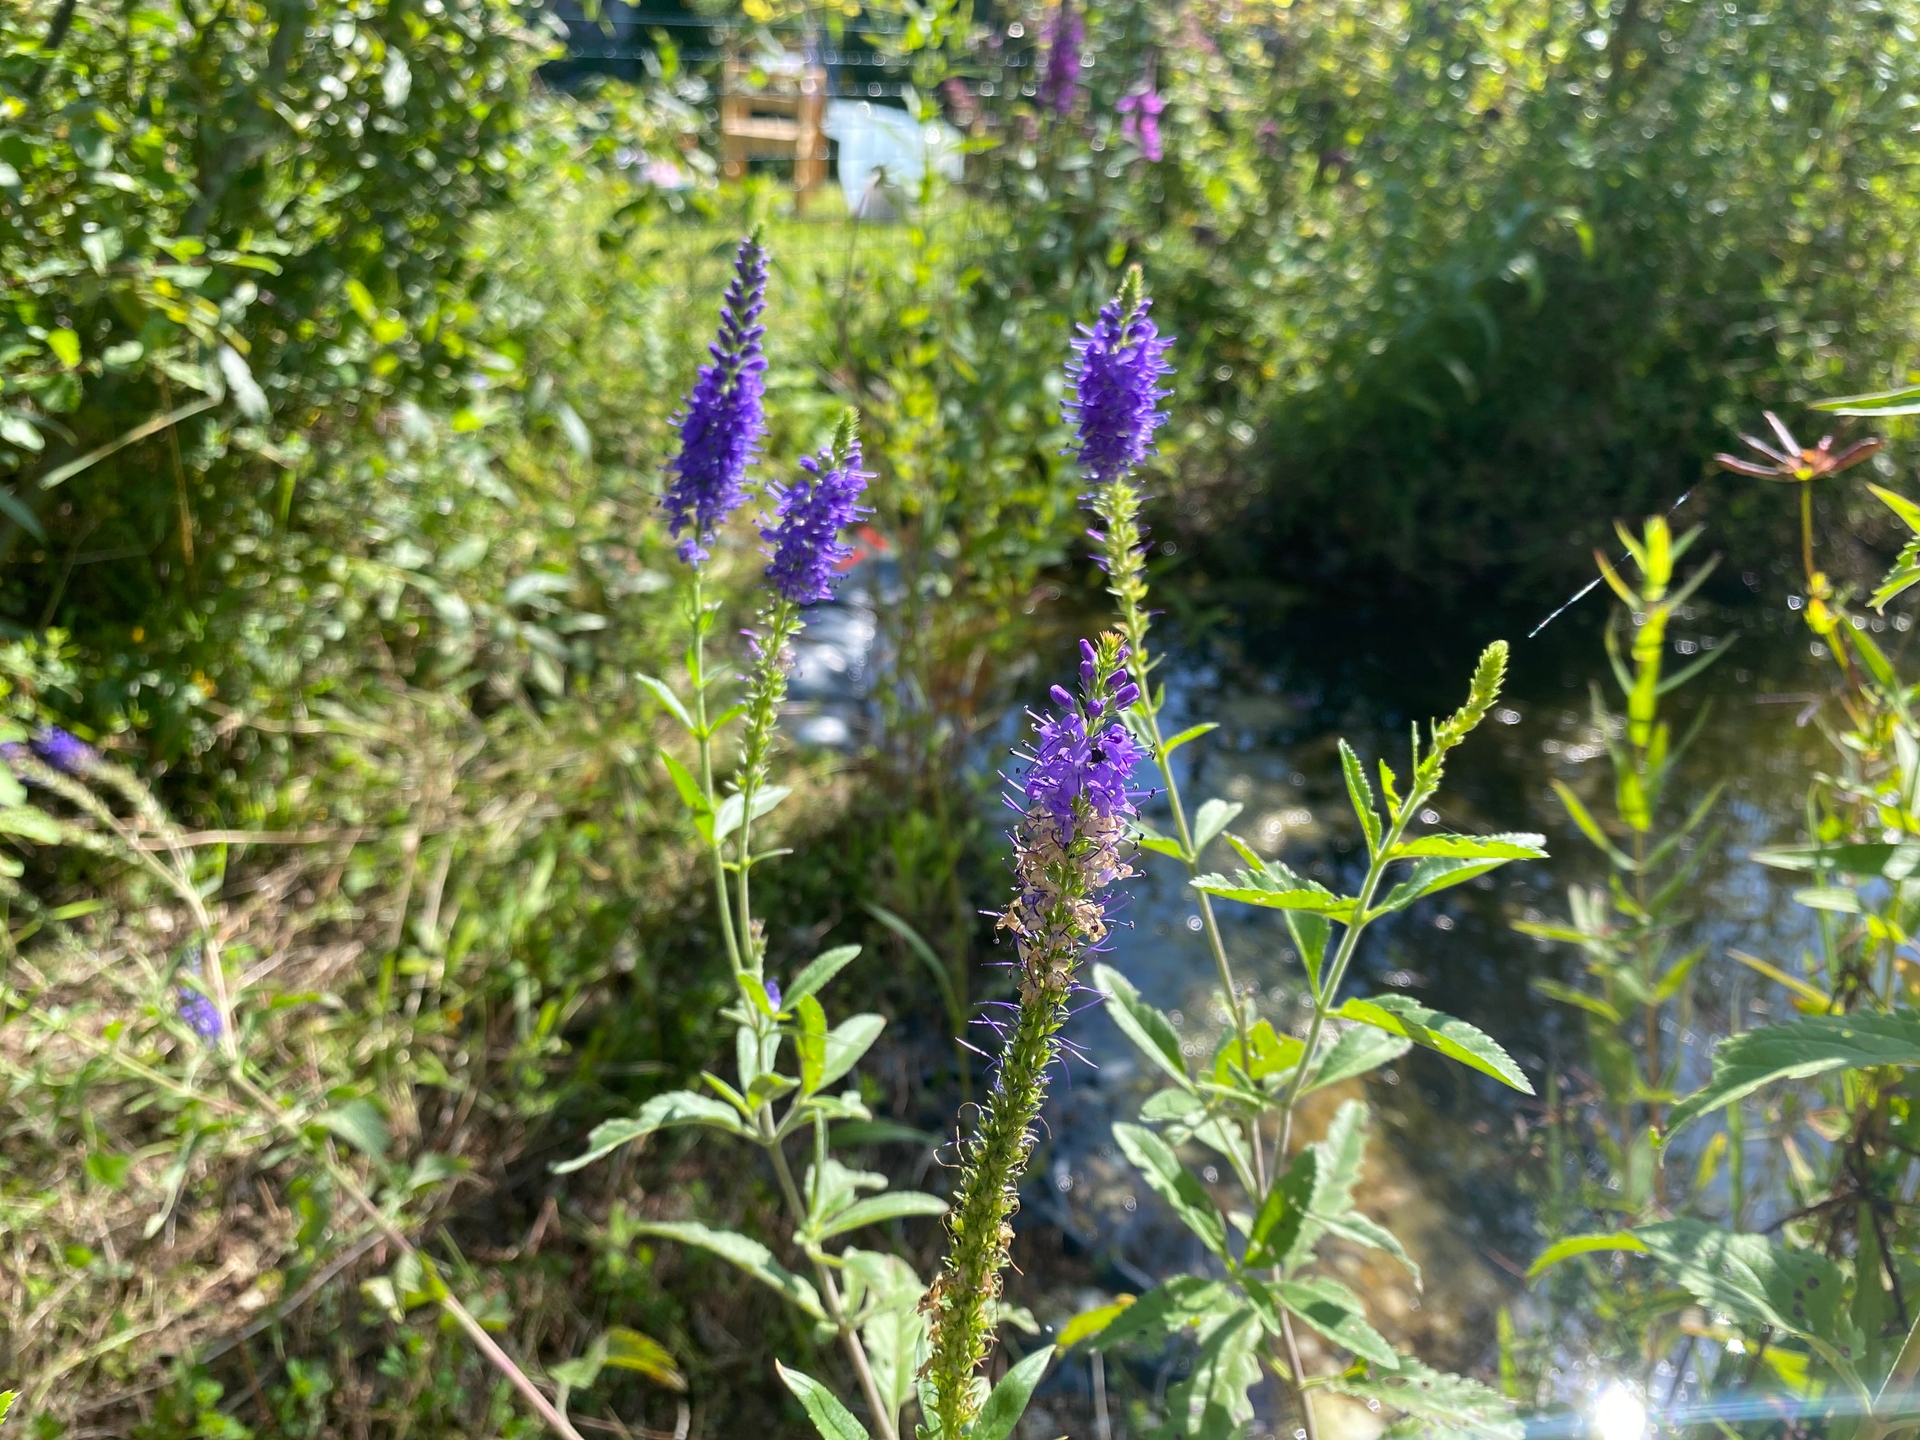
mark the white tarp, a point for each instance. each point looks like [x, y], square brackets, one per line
[877, 140]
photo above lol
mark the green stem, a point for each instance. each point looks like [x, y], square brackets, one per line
[769, 688]
[702, 620]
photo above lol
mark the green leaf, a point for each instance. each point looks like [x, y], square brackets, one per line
[1336, 1312]
[1250, 888]
[1089, 1323]
[1161, 845]
[1341, 1153]
[1567, 995]
[1356, 1052]
[1173, 1183]
[876, 1209]
[65, 346]
[359, 1124]
[690, 795]
[1473, 847]
[1192, 732]
[1869, 858]
[1443, 1405]
[1456, 1039]
[642, 1354]
[1358, 1229]
[1149, 1030]
[739, 1250]
[726, 819]
[676, 1107]
[1590, 827]
[1361, 794]
[1277, 1226]
[1273, 1054]
[846, 1043]
[1430, 875]
[1184, 1302]
[104, 1167]
[829, 1416]
[1813, 1046]
[1883, 403]
[819, 971]
[810, 1042]
[1008, 1400]
[1799, 1291]
[894, 1328]
[1213, 817]
[11, 505]
[923, 952]
[1212, 1403]
[1309, 934]
[1574, 1245]
[663, 692]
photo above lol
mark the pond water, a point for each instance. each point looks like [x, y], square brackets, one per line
[1457, 1157]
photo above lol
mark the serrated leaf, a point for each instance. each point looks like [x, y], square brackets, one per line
[1212, 1403]
[876, 1209]
[1813, 1046]
[1173, 1183]
[1573, 1245]
[1273, 1053]
[676, 1107]
[828, 1415]
[1089, 1323]
[1213, 817]
[1431, 875]
[1151, 1032]
[1799, 1291]
[1360, 793]
[1359, 1229]
[739, 1250]
[1007, 1401]
[1444, 1405]
[1161, 845]
[1474, 847]
[359, 1124]
[1250, 888]
[819, 971]
[1356, 1052]
[1342, 1152]
[1182, 1303]
[1456, 1039]
[1336, 1312]
[846, 1043]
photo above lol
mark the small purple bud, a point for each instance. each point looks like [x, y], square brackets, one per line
[773, 992]
[1061, 697]
[200, 1014]
[1125, 696]
[1087, 659]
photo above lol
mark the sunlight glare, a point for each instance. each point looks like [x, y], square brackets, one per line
[1619, 1414]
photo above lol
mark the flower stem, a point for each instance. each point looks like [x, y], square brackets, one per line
[701, 620]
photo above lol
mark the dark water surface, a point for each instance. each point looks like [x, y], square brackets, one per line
[1462, 1154]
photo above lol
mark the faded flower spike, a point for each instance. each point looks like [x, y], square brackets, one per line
[200, 1014]
[809, 515]
[1791, 461]
[1067, 851]
[1066, 35]
[723, 419]
[1115, 374]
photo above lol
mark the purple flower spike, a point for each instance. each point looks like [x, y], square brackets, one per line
[1140, 119]
[1115, 373]
[723, 419]
[65, 752]
[200, 1014]
[809, 515]
[1066, 34]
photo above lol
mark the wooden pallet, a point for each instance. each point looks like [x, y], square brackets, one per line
[777, 120]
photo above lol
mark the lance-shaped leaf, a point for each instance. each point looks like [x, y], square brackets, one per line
[846, 1043]
[1283, 1214]
[1445, 1405]
[676, 1107]
[1456, 1039]
[1431, 875]
[1473, 847]
[1866, 859]
[740, 1250]
[1361, 794]
[664, 694]
[1572, 1245]
[1274, 887]
[726, 818]
[810, 1042]
[1212, 818]
[1089, 1323]
[1212, 1403]
[878, 1208]
[1336, 1312]
[1181, 1304]
[1174, 1183]
[1744, 1063]
[829, 1416]
[819, 971]
[1007, 1401]
[1356, 1052]
[1150, 1030]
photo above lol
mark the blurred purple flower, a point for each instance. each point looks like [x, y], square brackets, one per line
[1140, 118]
[1066, 34]
[773, 991]
[65, 752]
[723, 419]
[200, 1014]
[1115, 374]
[809, 515]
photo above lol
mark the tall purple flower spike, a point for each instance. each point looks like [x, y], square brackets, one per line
[1115, 373]
[1066, 35]
[1140, 119]
[1083, 751]
[809, 515]
[723, 419]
